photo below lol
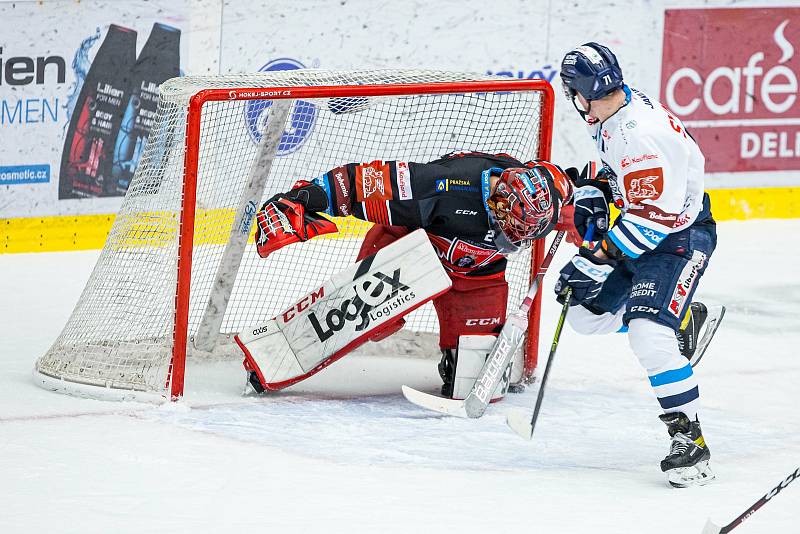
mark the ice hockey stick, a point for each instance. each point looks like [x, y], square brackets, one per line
[711, 528]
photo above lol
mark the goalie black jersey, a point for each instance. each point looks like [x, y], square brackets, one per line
[446, 197]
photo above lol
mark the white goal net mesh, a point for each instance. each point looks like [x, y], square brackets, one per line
[120, 334]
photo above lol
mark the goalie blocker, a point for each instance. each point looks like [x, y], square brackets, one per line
[346, 311]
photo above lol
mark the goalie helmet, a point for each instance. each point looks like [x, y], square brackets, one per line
[525, 204]
[591, 70]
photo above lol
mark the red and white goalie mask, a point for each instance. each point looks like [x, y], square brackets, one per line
[526, 204]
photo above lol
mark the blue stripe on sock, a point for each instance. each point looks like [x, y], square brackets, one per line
[634, 237]
[670, 377]
[673, 401]
[622, 329]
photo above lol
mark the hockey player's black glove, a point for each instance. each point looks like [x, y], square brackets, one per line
[311, 196]
[592, 196]
[585, 274]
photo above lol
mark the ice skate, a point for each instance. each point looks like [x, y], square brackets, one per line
[697, 330]
[687, 462]
[447, 371]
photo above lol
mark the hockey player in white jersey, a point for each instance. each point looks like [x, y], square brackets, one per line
[645, 268]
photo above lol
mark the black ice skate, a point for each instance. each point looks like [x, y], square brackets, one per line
[687, 462]
[697, 330]
[255, 383]
[447, 370]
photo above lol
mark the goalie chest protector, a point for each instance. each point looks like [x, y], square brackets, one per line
[344, 312]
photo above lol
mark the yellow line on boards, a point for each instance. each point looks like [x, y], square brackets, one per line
[86, 232]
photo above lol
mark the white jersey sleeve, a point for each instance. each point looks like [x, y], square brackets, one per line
[659, 174]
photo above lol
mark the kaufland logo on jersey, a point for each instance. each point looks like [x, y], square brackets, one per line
[731, 75]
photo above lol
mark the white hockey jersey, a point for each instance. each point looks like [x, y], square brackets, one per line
[659, 173]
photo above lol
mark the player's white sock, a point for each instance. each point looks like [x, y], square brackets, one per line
[670, 373]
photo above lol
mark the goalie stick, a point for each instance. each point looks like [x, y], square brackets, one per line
[508, 341]
[518, 419]
[711, 528]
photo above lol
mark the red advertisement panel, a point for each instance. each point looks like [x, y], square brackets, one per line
[732, 75]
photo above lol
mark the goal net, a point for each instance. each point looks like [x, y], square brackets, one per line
[179, 273]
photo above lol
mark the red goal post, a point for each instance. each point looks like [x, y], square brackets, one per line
[203, 117]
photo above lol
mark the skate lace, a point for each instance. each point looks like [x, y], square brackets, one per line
[680, 444]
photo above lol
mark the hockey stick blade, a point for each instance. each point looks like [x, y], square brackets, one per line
[435, 403]
[523, 425]
[508, 342]
[711, 528]
[519, 420]
[476, 402]
[713, 321]
[519, 423]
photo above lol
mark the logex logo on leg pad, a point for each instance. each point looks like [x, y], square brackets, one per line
[376, 298]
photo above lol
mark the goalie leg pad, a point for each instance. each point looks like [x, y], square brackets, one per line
[387, 330]
[472, 353]
[475, 305]
[378, 237]
[344, 313]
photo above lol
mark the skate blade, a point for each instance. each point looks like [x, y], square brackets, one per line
[713, 320]
[699, 474]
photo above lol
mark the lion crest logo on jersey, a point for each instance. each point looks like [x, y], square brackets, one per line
[372, 181]
[647, 184]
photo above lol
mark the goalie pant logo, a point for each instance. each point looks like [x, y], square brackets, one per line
[375, 298]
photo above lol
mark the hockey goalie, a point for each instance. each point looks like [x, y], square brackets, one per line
[442, 232]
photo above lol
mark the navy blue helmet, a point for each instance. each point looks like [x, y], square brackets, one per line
[591, 70]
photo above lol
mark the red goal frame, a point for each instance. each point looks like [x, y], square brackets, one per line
[175, 375]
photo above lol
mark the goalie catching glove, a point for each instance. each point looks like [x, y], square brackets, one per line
[291, 218]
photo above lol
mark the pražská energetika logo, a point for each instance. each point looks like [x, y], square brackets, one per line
[301, 121]
[731, 75]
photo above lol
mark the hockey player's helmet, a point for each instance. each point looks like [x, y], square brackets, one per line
[591, 70]
[525, 204]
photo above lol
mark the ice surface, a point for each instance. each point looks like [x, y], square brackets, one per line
[344, 452]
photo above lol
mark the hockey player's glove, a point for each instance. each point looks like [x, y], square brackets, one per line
[566, 223]
[309, 195]
[290, 218]
[592, 196]
[585, 274]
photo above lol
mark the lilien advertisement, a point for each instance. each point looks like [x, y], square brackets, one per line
[78, 95]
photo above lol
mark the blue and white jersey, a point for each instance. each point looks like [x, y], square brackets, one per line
[659, 172]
